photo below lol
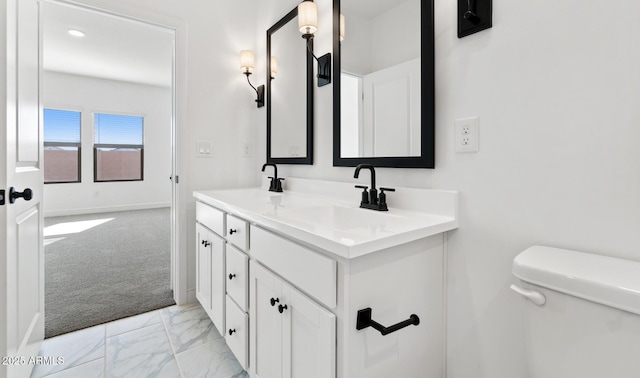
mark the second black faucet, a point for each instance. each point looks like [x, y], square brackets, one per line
[370, 200]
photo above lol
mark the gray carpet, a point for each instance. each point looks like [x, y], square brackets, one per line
[112, 270]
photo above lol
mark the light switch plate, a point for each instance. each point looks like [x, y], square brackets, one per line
[467, 133]
[204, 148]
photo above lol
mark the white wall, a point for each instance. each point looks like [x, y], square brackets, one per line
[556, 86]
[92, 95]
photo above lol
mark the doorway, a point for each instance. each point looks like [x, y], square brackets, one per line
[109, 202]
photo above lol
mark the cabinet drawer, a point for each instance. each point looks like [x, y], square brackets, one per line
[237, 276]
[210, 217]
[238, 232]
[311, 272]
[237, 332]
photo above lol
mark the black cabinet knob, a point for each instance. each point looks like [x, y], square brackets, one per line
[274, 301]
[206, 243]
[231, 276]
[232, 231]
[231, 331]
[281, 308]
[27, 195]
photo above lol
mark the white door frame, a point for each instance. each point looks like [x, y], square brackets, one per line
[178, 257]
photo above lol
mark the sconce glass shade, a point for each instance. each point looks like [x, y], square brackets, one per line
[341, 27]
[247, 61]
[307, 17]
[274, 66]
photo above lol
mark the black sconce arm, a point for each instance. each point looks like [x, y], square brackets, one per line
[324, 63]
[259, 91]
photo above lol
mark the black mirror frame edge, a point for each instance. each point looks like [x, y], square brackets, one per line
[427, 156]
[284, 160]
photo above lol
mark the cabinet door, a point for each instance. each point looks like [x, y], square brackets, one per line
[308, 337]
[265, 331]
[203, 267]
[218, 281]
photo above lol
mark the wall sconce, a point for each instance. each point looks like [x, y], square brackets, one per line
[274, 67]
[474, 16]
[246, 63]
[308, 24]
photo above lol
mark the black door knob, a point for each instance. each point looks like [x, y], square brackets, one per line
[281, 308]
[206, 243]
[231, 276]
[274, 301]
[232, 231]
[27, 194]
[231, 331]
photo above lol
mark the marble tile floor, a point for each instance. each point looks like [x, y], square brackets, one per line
[177, 341]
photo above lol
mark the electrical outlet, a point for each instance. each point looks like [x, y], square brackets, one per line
[467, 133]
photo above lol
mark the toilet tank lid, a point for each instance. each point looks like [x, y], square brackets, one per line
[607, 280]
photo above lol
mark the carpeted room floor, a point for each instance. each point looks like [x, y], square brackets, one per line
[102, 267]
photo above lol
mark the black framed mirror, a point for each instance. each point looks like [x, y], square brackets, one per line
[289, 94]
[384, 83]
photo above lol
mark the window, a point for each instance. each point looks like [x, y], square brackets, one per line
[61, 146]
[118, 152]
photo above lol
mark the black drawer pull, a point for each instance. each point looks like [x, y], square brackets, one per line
[364, 320]
[274, 301]
[281, 308]
[231, 331]
[232, 231]
[231, 276]
[206, 243]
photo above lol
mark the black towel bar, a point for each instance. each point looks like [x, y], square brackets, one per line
[364, 320]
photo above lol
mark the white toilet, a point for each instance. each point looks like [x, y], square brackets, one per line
[582, 313]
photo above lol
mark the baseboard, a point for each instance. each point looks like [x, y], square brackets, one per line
[191, 296]
[95, 210]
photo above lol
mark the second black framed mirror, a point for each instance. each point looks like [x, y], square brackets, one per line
[384, 83]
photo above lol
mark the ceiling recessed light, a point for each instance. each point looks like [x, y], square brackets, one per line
[75, 33]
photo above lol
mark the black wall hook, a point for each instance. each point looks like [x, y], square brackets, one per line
[364, 320]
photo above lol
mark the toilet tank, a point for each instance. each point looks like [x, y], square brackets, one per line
[582, 319]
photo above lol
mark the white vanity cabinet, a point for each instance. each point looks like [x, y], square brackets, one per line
[291, 335]
[300, 270]
[222, 275]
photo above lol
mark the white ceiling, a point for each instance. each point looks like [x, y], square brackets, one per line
[113, 47]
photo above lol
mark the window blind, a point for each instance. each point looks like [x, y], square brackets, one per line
[61, 126]
[117, 129]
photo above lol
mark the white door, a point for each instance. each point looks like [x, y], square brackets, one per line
[308, 337]
[21, 222]
[217, 281]
[203, 266]
[265, 331]
[392, 111]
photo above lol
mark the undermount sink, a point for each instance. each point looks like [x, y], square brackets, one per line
[339, 217]
[326, 215]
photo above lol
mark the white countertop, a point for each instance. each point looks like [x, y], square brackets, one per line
[331, 223]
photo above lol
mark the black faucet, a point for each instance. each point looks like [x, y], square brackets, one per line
[276, 183]
[370, 200]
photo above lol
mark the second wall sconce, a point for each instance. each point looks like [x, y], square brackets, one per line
[247, 60]
[474, 16]
[308, 24]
